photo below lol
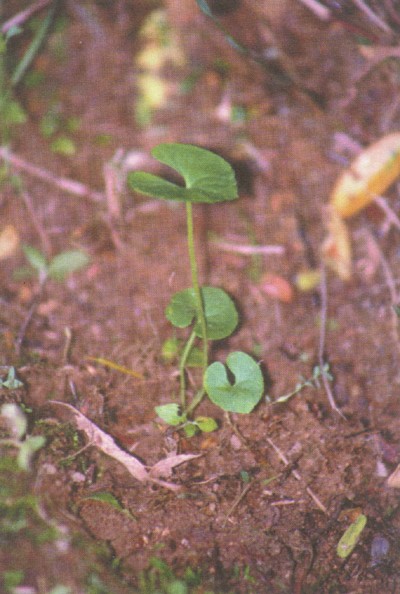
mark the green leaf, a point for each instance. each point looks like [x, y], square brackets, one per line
[170, 414]
[67, 262]
[351, 537]
[190, 429]
[206, 424]
[208, 177]
[220, 312]
[107, 498]
[195, 358]
[170, 349]
[27, 449]
[11, 383]
[63, 146]
[247, 390]
[35, 258]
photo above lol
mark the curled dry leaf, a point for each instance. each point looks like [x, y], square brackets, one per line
[336, 249]
[98, 438]
[370, 174]
[9, 241]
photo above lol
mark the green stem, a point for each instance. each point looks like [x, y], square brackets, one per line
[196, 401]
[195, 282]
[182, 365]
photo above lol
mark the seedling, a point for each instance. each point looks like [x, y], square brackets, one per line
[27, 446]
[209, 311]
[58, 268]
[312, 382]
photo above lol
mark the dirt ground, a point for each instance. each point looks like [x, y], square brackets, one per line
[263, 507]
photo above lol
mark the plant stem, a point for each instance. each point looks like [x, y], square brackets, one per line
[182, 365]
[195, 282]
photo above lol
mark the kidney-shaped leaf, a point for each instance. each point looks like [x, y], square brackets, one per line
[219, 309]
[247, 389]
[208, 177]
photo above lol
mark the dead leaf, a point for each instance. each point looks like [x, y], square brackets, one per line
[394, 479]
[336, 249]
[369, 175]
[98, 438]
[163, 468]
[9, 241]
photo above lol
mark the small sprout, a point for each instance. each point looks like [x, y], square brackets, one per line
[18, 424]
[105, 497]
[59, 267]
[11, 383]
[351, 537]
[312, 382]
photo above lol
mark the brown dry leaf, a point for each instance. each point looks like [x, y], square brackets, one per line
[370, 174]
[394, 479]
[107, 445]
[163, 468]
[336, 249]
[277, 287]
[9, 240]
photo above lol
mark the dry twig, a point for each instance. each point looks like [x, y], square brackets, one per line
[24, 15]
[67, 185]
[297, 475]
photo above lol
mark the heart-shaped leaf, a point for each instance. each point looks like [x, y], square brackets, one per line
[169, 413]
[219, 309]
[208, 177]
[247, 389]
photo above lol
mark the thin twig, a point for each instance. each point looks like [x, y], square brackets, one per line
[28, 318]
[374, 18]
[44, 239]
[236, 502]
[391, 216]
[297, 475]
[250, 250]
[322, 338]
[24, 15]
[67, 185]
[322, 12]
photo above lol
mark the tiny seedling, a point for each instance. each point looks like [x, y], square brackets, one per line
[27, 445]
[10, 382]
[58, 268]
[312, 382]
[209, 311]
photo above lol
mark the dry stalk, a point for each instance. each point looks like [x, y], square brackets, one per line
[297, 476]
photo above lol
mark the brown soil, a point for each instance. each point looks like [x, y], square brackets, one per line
[244, 518]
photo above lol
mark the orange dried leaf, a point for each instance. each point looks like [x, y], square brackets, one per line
[370, 174]
[9, 241]
[336, 249]
[277, 287]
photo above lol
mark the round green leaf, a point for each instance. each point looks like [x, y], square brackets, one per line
[220, 312]
[208, 177]
[247, 389]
